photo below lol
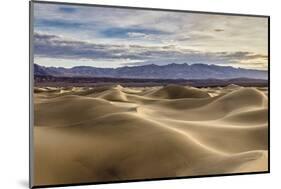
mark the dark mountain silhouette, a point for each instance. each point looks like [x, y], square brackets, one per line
[152, 71]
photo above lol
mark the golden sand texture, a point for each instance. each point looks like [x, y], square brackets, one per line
[115, 133]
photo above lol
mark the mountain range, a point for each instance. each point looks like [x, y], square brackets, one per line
[152, 71]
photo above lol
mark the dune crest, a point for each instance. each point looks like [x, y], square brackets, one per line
[176, 92]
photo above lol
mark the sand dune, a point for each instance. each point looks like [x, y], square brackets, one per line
[176, 92]
[118, 133]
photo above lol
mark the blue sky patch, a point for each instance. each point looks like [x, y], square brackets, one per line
[57, 24]
[67, 9]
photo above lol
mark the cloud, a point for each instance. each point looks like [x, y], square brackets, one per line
[137, 35]
[40, 36]
[242, 55]
[131, 32]
[57, 47]
[65, 34]
[206, 32]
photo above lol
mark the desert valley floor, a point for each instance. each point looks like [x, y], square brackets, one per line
[99, 134]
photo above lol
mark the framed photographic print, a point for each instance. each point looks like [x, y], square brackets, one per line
[121, 94]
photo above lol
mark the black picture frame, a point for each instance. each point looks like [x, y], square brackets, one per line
[135, 8]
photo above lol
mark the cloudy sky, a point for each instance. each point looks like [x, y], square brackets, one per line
[67, 36]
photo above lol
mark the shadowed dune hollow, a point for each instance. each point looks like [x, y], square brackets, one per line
[115, 133]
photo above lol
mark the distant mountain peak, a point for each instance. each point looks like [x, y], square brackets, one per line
[153, 71]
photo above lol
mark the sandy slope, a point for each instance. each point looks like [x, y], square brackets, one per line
[116, 133]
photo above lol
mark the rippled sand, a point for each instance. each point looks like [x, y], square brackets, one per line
[116, 133]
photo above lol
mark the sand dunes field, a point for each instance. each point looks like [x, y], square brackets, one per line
[117, 133]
